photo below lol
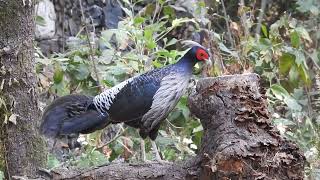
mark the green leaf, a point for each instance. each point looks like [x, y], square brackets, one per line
[279, 91]
[91, 158]
[134, 65]
[52, 161]
[171, 42]
[157, 64]
[150, 42]
[294, 76]
[127, 2]
[78, 59]
[295, 39]
[264, 30]
[150, 8]
[138, 21]
[82, 72]
[222, 47]
[315, 11]
[3, 104]
[282, 94]
[60, 88]
[283, 121]
[308, 5]
[167, 10]
[106, 56]
[148, 34]
[286, 62]
[197, 129]
[58, 74]
[97, 158]
[304, 75]
[180, 21]
[300, 58]
[292, 103]
[170, 154]
[40, 21]
[127, 11]
[303, 33]
[1, 175]
[118, 70]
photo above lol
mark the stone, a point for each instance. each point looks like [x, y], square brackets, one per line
[112, 14]
[45, 9]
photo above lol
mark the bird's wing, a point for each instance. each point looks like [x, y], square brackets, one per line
[165, 99]
[133, 99]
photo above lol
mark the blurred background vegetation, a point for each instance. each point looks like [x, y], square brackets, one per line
[97, 44]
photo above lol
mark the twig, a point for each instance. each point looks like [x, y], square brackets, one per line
[258, 28]
[176, 127]
[125, 147]
[90, 46]
[155, 11]
[63, 29]
[226, 17]
[119, 133]
[243, 19]
[313, 61]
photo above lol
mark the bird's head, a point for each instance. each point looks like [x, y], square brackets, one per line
[196, 52]
[199, 53]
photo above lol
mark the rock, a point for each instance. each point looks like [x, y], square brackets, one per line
[45, 9]
[49, 46]
[112, 14]
[96, 14]
[74, 42]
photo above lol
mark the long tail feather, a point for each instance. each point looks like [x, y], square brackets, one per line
[72, 114]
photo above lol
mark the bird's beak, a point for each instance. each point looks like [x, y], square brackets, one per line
[208, 62]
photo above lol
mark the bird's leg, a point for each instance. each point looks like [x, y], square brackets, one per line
[156, 152]
[143, 150]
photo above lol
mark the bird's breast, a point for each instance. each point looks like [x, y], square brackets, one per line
[165, 99]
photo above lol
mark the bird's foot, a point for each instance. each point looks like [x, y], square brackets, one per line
[157, 154]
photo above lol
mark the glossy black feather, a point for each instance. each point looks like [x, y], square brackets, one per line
[72, 114]
[135, 99]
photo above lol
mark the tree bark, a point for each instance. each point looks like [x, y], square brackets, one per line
[239, 141]
[22, 148]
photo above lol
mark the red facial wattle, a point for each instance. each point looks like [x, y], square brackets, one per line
[202, 55]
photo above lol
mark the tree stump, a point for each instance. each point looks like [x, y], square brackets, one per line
[239, 140]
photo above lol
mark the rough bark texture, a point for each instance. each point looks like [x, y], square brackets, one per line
[22, 146]
[239, 141]
[126, 171]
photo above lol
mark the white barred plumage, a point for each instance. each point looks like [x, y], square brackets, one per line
[104, 100]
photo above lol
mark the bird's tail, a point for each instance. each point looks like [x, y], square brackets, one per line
[72, 114]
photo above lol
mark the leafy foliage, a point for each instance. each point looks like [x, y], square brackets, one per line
[1, 175]
[286, 55]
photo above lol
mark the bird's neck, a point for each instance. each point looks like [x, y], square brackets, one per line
[187, 63]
